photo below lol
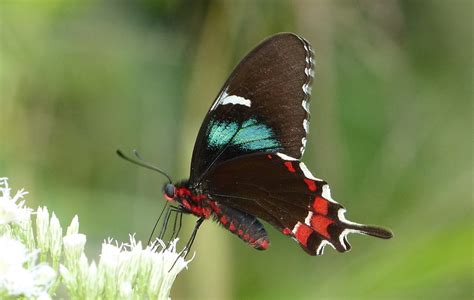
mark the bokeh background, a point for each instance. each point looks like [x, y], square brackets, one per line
[391, 131]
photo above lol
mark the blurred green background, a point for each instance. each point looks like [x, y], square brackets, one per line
[391, 132]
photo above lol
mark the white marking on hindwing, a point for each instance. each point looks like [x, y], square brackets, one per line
[343, 236]
[320, 250]
[286, 157]
[307, 220]
[295, 229]
[341, 215]
[327, 194]
[307, 172]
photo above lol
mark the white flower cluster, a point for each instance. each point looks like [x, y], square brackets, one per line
[126, 271]
[20, 275]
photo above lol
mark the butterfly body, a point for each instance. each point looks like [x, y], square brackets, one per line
[246, 162]
[191, 200]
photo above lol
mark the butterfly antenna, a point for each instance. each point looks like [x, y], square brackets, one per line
[139, 161]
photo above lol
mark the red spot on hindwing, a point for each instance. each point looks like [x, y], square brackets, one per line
[320, 205]
[286, 231]
[311, 184]
[302, 233]
[320, 224]
[289, 166]
[269, 156]
[232, 227]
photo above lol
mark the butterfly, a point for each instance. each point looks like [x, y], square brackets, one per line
[246, 164]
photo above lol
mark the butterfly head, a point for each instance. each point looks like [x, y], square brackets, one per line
[169, 191]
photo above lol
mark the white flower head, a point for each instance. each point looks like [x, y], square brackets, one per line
[130, 269]
[124, 271]
[12, 210]
[19, 275]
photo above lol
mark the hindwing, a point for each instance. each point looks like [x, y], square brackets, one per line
[282, 191]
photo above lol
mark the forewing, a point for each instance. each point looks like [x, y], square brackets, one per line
[262, 107]
[282, 191]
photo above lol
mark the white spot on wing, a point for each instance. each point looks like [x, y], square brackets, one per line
[225, 98]
[308, 174]
[344, 234]
[303, 147]
[341, 215]
[327, 195]
[286, 157]
[307, 89]
[309, 71]
[306, 125]
[307, 221]
[295, 229]
[305, 105]
[305, 47]
[232, 99]
[320, 250]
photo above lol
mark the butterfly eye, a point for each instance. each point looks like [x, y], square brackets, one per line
[169, 191]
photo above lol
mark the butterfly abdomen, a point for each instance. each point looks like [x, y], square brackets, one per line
[244, 225]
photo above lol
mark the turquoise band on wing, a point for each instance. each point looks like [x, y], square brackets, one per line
[251, 136]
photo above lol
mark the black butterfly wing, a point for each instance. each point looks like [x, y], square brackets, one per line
[282, 191]
[262, 107]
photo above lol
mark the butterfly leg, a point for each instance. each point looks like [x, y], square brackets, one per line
[165, 223]
[177, 223]
[156, 223]
[190, 242]
[193, 236]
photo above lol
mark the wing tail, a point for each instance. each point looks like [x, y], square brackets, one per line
[326, 224]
